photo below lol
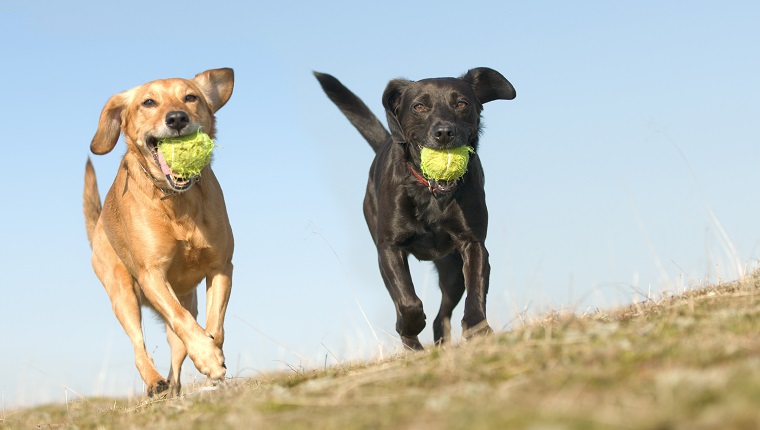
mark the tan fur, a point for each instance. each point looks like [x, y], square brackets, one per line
[153, 251]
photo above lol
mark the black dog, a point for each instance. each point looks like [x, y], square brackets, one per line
[445, 222]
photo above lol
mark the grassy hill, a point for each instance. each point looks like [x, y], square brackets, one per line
[686, 362]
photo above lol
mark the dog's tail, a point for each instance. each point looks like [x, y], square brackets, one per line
[92, 206]
[355, 110]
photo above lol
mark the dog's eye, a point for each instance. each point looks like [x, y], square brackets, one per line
[191, 98]
[149, 103]
[462, 105]
[419, 107]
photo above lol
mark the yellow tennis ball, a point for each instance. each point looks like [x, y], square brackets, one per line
[446, 164]
[187, 155]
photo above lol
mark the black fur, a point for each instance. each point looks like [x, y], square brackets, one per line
[443, 222]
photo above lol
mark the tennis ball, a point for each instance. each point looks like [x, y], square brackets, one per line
[445, 164]
[187, 155]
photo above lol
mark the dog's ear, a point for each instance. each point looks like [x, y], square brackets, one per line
[392, 94]
[489, 85]
[392, 102]
[109, 126]
[216, 86]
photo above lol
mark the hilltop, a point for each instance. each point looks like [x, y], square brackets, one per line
[690, 361]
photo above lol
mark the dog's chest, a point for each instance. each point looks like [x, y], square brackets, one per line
[192, 253]
[196, 251]
[430, 235]
[430, 244]
[194, 242]
[191, 262]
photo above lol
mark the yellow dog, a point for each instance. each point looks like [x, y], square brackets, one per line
[158, 234]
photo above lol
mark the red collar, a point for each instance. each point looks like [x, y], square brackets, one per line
[434, 186]
[419, 177]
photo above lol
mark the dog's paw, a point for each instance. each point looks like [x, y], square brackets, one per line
[208, 358]
[412, 343]
[175, 389]
[411, 320]
[480, 329]
[159, 388]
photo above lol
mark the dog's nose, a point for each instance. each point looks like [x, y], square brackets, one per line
[177, 120]
[443, 133]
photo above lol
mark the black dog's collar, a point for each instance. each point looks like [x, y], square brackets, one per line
[434, 186]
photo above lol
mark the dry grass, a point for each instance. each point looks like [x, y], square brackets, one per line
[685, 362]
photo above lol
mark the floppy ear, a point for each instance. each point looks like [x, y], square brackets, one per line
[391, 103]
[109, 125]
[489, 85]
[216, 86]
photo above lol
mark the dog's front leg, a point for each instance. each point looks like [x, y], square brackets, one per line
[125, 301]
[410, 318]
[477, 271]
[218, 288]
[206, 356]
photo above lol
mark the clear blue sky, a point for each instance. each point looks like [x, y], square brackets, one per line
[628, 163]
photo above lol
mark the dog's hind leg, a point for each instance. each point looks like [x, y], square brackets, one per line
[178, 349]
[451, 281]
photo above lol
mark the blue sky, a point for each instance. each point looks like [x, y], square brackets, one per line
[626, 166]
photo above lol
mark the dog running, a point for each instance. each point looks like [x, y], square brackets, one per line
[158, 234]
[408, 213]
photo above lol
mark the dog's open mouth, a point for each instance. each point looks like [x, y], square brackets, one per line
[442, 186]
[176, 182]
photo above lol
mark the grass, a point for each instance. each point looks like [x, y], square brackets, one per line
[691, 361]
